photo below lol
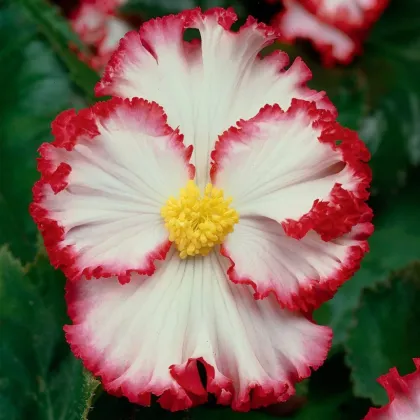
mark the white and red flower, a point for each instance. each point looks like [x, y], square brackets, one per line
[176, 278]
[347, 15]
[98, 25]
[404, 396]
[336, 28]
[334, 45]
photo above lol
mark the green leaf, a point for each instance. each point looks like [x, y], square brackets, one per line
[39, 377]
[109, 407]
[154, 8]
[385, 333]
[57, 32]
[397, 27]
[330, 396]
[394, 244]
[225, 413]
[36, 88]
[393, 129]
[392, 124]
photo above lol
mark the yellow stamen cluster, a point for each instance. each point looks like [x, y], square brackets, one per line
[196, 223]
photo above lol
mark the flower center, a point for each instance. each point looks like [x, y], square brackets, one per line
[196, 223]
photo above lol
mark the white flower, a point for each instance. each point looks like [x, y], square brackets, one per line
[182, 243]
[336, 28]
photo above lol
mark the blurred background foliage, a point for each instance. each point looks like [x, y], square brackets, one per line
[375, 316]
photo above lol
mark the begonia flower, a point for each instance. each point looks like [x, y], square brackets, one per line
[198, 212]
[403, 394]
[334, 45]
[99, 26]
[347, 15]
[336, 28]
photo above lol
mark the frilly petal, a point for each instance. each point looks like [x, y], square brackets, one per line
[404, 396]
[103, 181]
[146, 337]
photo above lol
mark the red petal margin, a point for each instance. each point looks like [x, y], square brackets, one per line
[340, 18]
[174, 26]
[400, 389]
[314, 293]
[188, 391]
[68, 129]
[344, 209]
[345, 213]
[325, 49]
[260, 395]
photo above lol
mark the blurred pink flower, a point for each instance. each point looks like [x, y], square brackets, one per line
[404, 396]
[336, 28]
[99, 26]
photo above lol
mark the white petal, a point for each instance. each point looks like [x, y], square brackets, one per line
[301, 273]
[145, 337]
[105, 179]
[116, 28]
[205, 88]
[88, 22]
[279, 163]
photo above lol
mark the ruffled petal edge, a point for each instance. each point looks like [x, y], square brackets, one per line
[67, 129]
[396, 386]
[340, 19]
[187, 18]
